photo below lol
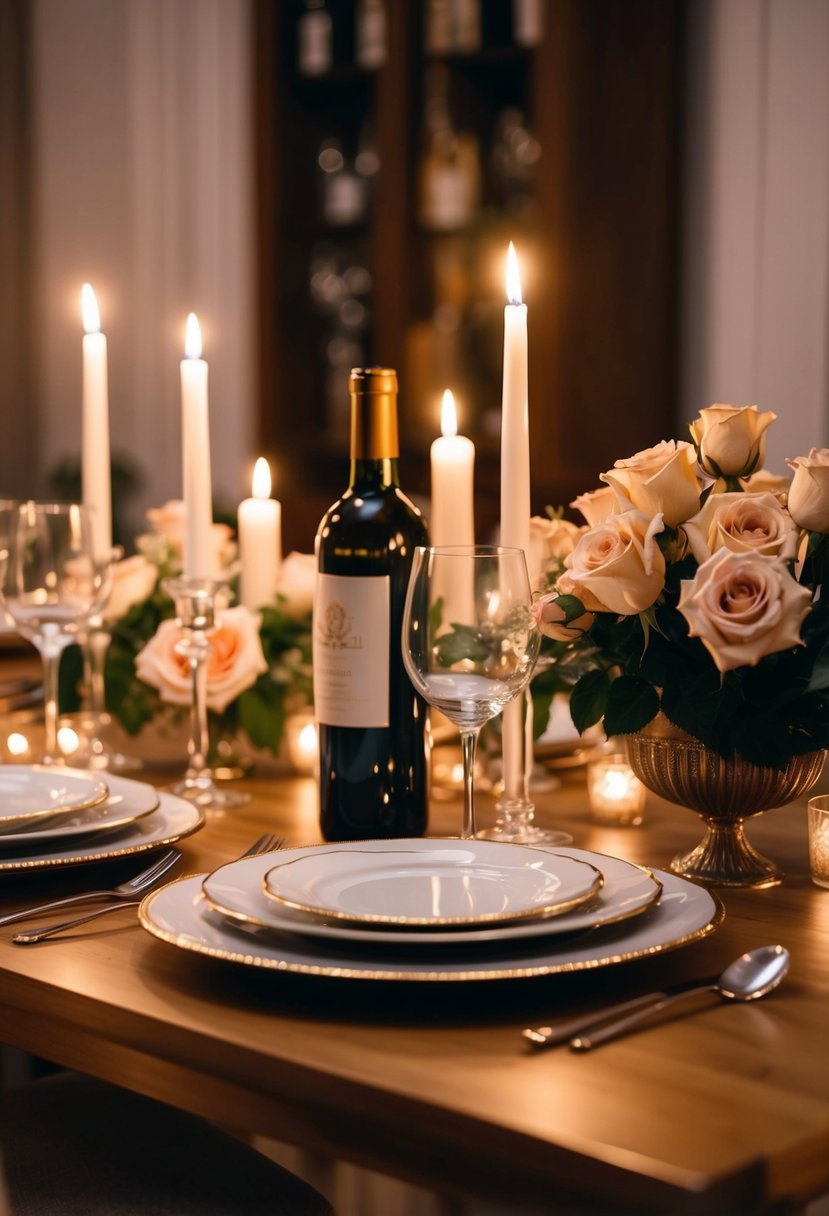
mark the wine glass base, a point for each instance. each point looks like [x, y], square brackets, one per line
[208, 796]
[515, 825]
[91, 750]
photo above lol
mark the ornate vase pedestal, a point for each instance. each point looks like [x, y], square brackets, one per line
[724, 793]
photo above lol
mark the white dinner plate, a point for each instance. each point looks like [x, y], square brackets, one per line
[179, 914]
[174, 819]
[35, 793]
[236, 891]
[429, 884]
[128, 801]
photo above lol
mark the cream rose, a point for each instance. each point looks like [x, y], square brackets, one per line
[809, 491]
[133, 580]
[551, 540]
[169, 521]
[296, 581]
[235, 662]
[744, 606]
[662, 479]
[617, 566]
[731, 440]
[552, 619]
[742, 522]
[596, 505]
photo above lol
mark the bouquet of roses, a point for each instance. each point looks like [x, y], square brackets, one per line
[259, 668]
[696, 590]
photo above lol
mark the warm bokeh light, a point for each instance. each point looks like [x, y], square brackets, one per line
[17, 744]
[68, 740]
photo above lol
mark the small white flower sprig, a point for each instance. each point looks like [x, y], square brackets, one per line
[695, 589]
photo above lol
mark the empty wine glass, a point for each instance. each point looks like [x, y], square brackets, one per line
[51, 587]
[469, 639]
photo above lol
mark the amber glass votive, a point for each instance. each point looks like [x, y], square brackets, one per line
[615, 793]
[819, 840]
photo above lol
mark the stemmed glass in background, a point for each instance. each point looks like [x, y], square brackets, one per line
[51, 587]
[469, 639]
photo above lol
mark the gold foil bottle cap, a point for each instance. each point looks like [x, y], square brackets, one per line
[373, 393]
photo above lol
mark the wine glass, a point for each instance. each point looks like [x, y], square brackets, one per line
[469, 639]
[51, 586]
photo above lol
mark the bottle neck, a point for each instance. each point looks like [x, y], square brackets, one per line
[376, 474]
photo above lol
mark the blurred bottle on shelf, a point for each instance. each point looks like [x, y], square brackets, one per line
[371, 34]
[315, 39]
[449, 170]
[527, 22]
[462, 27]
[514, 157]
[343, 191]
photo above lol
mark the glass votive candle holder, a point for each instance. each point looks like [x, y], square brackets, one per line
[615, 794]
[819, 840]
[303, 742]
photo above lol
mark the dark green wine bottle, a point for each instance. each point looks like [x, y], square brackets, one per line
[372, 724]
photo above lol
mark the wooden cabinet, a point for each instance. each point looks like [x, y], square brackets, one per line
[357, 266]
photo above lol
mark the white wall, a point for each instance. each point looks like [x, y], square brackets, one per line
[756, 292]
[144, 187]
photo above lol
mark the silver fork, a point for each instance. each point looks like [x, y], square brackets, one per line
[267, 843]
[126, 890]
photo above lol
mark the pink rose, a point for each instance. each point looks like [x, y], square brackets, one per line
[133, 580]
[662, 479]
[809, 491]
[596, 505]
[617, 566]
[743, 606]
[551, 541]
[552, 620]
[236, 660]
[740, 522]
[731, 440]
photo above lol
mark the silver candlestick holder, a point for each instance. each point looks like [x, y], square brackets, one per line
[195, 600]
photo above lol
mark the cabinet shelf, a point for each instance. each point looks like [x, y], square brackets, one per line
[595, 223]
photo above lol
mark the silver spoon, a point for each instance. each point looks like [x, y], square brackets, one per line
[750, 976]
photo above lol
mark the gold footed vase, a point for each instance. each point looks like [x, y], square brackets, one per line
[724, 793]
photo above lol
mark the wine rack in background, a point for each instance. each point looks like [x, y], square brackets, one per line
[401, 145]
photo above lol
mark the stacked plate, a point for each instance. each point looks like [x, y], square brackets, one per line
[430, 910]
[62, 816]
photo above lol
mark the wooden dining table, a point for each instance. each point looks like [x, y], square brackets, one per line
[724, 1109]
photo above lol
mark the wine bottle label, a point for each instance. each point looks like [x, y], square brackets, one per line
[351, 650]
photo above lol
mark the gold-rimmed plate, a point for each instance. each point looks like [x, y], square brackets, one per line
[179, 915]
[127, 802]
[173, 819]
[235, 890]
[39, 793]
[430, 883]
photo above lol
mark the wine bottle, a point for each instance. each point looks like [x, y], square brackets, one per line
[372, 723]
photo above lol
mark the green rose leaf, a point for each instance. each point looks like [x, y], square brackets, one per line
[631, 704]
[589, 699]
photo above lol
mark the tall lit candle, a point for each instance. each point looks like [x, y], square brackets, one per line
[515, 489]
[95, 458]
[195, 451]
[452, 519]
[260, 540]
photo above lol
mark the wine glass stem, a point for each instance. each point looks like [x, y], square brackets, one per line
[469, 744]
[95, 651]
[50, 655]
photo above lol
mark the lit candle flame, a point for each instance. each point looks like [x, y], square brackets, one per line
[192, 338]
[261, 481]
[513, 278]
[89, 310]
[448, 414]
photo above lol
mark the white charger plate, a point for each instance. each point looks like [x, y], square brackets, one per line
[174, 819]
[236, 891]
[128, 801]
[32, 793]
[179, 915]
[434, 884]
